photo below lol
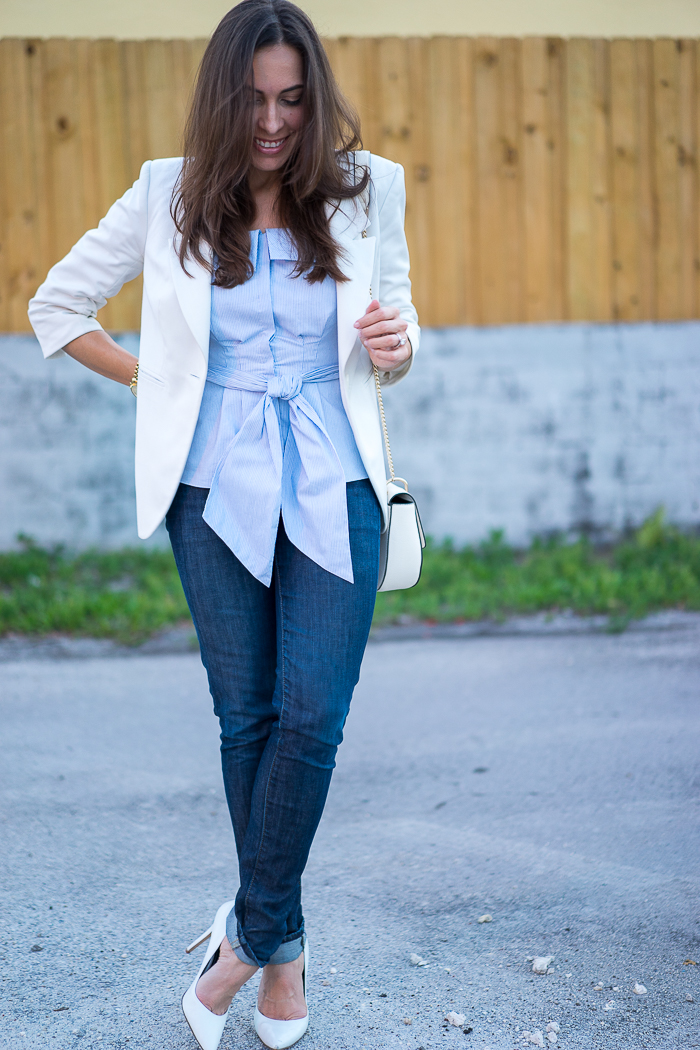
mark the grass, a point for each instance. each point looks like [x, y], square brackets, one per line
[131, 594]
[656, 567]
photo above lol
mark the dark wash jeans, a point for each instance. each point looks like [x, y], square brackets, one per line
[282, 664]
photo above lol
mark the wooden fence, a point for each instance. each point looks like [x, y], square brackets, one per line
[547, 179]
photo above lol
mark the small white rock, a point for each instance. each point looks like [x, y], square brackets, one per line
[550, 969]
[598, 987]
[333, 969]
[536, 1037]
[610, 1005]
[638, 988]
[485, 918]
[456, 1019]
[552, 1036]
[552, 1026]
[541, 963]
[689, 998]
[417, 960]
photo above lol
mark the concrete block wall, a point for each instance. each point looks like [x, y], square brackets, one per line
[536, 428]
[526, 428]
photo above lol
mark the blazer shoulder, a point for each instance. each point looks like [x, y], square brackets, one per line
[381, 169]
[163, 171]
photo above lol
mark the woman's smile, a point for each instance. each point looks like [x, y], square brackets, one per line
[270, 147]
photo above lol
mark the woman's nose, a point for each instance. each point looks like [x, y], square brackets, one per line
[271, 119]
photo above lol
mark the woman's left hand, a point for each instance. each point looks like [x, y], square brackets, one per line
[382, 331]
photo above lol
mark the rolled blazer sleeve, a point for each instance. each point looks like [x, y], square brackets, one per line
[94, 270]
[394, 265]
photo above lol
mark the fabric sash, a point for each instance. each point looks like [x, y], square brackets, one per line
[257, 479]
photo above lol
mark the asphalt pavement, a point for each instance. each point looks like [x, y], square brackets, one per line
[551, 783]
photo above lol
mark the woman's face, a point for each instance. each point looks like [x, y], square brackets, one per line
[278, 105]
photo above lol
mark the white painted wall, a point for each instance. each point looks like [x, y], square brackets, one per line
[524, 428]
[533, 428]
[133, 19]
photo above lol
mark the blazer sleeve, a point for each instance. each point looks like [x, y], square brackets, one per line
[394, 281]
[94, 270]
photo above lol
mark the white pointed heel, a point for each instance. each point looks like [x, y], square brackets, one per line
[207, 1028]
[277, 1035]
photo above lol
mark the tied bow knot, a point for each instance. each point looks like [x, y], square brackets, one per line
[285, 387]
[259, 478]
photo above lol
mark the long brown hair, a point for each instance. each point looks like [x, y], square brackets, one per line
[212, 200]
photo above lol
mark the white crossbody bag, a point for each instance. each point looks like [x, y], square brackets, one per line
[402, 542]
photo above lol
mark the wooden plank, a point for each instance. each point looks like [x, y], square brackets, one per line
[687, 176]
[489, 148]
[421, 231]
[371, 111]
[579, 243]
[510, 78]
[62, 130]
[647, 226]
[556, 148]
[90, 139]
[441, 165]
[696, 261]
[20, 244]
[163, 119]
[625, 180]
[113, 168]
[347, 57]
[393, 79]
[667, 140]
[465, 191]
[40, 150]
[538, 233]
[183, 74]
[601, 210]
[136, 105]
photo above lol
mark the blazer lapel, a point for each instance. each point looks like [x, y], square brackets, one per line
[357, 263]
[194, 295]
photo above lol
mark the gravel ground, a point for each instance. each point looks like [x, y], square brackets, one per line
[551, 781]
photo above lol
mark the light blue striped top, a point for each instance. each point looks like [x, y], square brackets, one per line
[272, 435]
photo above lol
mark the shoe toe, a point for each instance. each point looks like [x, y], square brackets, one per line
[278, 1035]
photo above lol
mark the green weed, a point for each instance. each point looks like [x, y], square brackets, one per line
[131, 594]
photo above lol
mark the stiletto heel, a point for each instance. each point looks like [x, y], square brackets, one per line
[207, 1027]
[200, 940]
[277, 1035]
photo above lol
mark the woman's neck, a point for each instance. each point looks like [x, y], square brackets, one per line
[264, 187]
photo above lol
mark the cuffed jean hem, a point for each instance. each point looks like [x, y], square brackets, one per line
[288, 951]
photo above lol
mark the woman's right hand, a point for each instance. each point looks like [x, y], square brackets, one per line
[99, 352]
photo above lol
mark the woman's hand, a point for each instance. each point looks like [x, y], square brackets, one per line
[382, 331]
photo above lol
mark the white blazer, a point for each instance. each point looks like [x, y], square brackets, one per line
[138, 234]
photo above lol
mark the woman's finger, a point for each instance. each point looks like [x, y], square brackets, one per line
[392, 341]
[376, 313]
[382, 328]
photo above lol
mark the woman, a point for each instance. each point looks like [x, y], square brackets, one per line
[258, 440]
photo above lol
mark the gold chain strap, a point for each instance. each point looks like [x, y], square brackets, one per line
[381, 413]
[380, 399]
